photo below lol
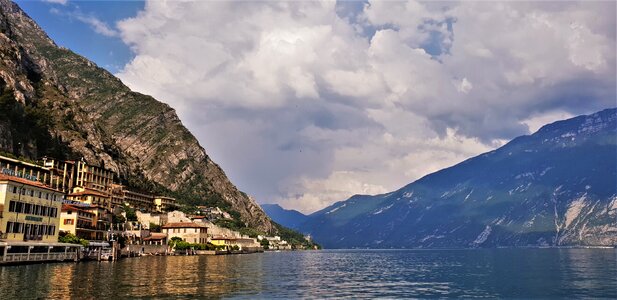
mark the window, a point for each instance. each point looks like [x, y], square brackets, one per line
[14, 190]
[69, 222]
[46, 196]
[31, 193]
[12, 206]
[40, 194]
[23, 191]
[28, 208]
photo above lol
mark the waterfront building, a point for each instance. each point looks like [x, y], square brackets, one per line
[244, 243]
[102, 221]
[162, 203]
[80, 222]
[275, 242]
[29, 210]
[155, 238]
[187, 231]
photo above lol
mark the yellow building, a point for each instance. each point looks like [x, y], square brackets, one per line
[187, 231]
[90, 196]
[29, 210]
[164, 203]
[93, 177]
[79, 221]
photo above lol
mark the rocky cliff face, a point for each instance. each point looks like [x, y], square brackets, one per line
[87, 110]
[553, 188]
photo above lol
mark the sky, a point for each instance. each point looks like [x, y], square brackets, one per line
[308, 103]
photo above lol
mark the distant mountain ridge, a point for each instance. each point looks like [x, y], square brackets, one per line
[286, 217]
[555, 187]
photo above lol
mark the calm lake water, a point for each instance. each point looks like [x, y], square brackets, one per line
[520, 273]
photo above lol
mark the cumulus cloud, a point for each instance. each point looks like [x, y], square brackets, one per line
[308, 103]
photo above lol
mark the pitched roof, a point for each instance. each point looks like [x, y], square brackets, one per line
[155, 236]
[37, 184]
[67, 207]
[184, 225]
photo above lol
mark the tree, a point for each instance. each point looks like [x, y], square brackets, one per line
[155, 227]
[130, 213]
[118, 219]
[265, 243]
[72, 239]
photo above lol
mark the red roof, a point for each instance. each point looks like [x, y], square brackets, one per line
[184, 225]
[155, 236]
[37, 184]
[67, 207]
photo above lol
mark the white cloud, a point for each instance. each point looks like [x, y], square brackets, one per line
[62, 2]
[305, 107]
[97, 25]
[92, 21]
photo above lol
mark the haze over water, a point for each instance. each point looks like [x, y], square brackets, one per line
[521, 273]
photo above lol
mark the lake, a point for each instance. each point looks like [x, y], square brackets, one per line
[520, 273]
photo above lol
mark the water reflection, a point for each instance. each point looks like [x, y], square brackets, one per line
[523, 273]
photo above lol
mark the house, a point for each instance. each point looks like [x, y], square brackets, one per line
[187, 231]
[244, 243]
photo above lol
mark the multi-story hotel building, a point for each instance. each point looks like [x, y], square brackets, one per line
[29, 210]
[139, 201]
[92, 177]
[61, 174]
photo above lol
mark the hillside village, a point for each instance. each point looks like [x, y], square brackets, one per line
[43, 203]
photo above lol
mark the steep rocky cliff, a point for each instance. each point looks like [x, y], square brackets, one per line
[81, 110]
[555, 187]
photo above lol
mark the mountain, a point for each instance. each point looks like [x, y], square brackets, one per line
[59, 103]
[555, 187]
[286, 217]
